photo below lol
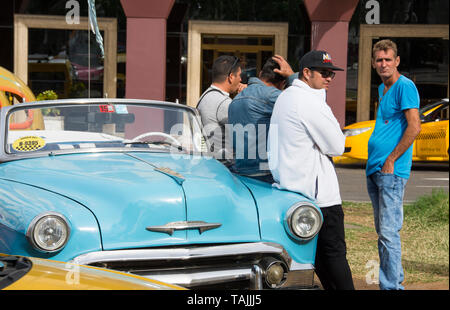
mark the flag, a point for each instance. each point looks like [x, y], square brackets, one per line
[94, 25]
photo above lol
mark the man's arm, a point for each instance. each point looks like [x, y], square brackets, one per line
[324, 129]
[411, 132]
[222, 111]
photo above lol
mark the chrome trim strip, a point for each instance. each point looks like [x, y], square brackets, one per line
[172, 254]
[253, 274]
[169, 228]
[192, 279]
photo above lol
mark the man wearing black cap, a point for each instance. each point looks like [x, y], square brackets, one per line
[303, 136]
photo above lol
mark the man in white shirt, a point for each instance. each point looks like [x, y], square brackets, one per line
[303, 136]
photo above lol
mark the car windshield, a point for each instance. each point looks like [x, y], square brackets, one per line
[105, 125]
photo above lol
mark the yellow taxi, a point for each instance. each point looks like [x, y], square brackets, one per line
[431, 145]
[30, 273]
[13, 89]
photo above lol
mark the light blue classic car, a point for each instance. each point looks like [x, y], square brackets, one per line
[129, 185]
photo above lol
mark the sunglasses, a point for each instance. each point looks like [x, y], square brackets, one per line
[236, 60]
[325, 73]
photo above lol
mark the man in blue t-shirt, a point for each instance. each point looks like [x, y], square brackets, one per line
[390, 158]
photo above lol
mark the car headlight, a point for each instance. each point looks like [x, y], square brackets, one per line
[303, 221]
[48, 232]
[355, 131]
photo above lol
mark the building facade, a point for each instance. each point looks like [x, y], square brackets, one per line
[164, 50]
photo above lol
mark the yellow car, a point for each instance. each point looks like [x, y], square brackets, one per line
[29, 273]
[431, 145]
[13, 89]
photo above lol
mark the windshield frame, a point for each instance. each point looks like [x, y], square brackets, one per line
[442, 104]
[6, 111]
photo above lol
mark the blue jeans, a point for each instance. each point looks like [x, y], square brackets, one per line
[386, 192]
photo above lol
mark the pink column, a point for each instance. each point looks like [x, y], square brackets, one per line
[146, 58]
[329, 32]
[146, 47]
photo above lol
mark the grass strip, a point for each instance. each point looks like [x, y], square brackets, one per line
[425, 239]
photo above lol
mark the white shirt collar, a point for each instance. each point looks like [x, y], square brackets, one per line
[300, 83]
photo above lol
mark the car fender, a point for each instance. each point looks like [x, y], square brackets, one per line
[21, 203]
[273, 205]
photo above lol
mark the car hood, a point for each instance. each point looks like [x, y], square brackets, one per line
[46, 274]
[363, 124]
[131, 199]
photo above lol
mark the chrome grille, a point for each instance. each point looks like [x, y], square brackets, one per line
[226, 266]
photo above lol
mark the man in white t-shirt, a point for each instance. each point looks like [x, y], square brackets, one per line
[214, 102]
[303, 136]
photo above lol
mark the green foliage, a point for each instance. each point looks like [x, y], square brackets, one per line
[430, 209]
[48, 95]
[78, 90]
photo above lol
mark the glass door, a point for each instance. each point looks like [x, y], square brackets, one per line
[253, 52]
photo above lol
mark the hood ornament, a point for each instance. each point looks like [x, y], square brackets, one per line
[169, 228]
[174, 175]
[167, 171]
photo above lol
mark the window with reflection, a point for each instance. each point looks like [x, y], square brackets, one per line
[69, 62]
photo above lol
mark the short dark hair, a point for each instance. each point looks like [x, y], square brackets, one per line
[384, 45]
[223, 66]
[268, 74]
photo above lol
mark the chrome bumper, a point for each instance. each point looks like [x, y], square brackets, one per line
[218, 266]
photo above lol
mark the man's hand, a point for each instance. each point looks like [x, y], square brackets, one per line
[285, 69]
[241, 87]
[411, 132]
[388, 166]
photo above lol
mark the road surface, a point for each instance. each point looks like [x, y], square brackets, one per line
[424, 178]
